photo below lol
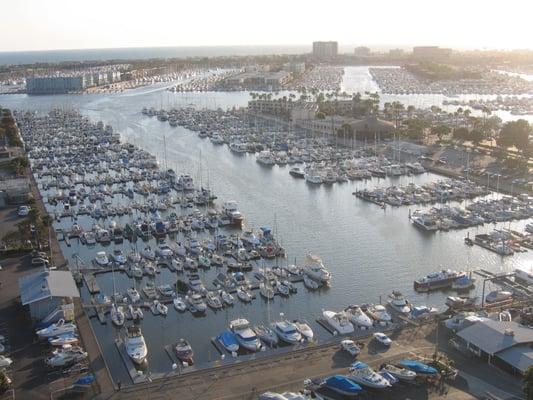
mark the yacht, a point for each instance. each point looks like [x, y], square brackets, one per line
[287, 332]
[400, 373]
[135, 345]
[65, 338]
[425, 223]
[379, 313]
[101, 259]
[213, 301]
[134, 295]
[358, 317]
[245, 335]
[363, 375]
[266, 158]
[297, 172]
[196, 303]
[399, 303]
[118, 257]
[244, 295]
[437, 280]
[148, 253]
[339, 322]
[314, 269]
[59, 328]
[66, 355]
[305, 330]
[229, 208]
[158, 308]
[310, 284]
[184, 351]
[227, 298]
[313, 177]
[179, 304]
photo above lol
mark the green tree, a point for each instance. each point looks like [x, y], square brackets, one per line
[320, 115]
[440, 131]
[476, 136]
[515, 133]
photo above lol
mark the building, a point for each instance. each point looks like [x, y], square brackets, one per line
[368, 127]
[258, 80]
[505, 344]
[55, 84]
[45, 291]
[431, 53]
[361, 51]
[295, 67]
[325, 50]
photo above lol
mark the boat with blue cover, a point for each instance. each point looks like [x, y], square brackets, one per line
[418, 367]
[343, 385]
[228, 340]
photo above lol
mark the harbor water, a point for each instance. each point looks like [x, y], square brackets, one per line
[369, 251]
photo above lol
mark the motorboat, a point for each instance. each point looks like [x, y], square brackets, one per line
[297, 172]
[101, 259]
[166, 290]
[342, 385]
[134, 313]
[59, 328]
[399, 303]
[391, 378]
[338, 321]
[227, 298]
[287, 332]
[305, 330]
[310, 283]
[363, 375]
[244, 295]
[228, 340]
[314, 269]
[213, 301]
[498, 296]
[437, 280]
[358, 318]
[179, 304]
[379, 313]
[422, 312]
[164, 251]
[196, 303]
[148, 253]
[230, 209]
[267, 335]
[66, 355]
[460, 303]
[117, 315]
[118, 257]
[402, 374]
[350, 346]
[418, 367]
[158, 308]
[184, 351]
[65, 338]
[382, 338]
[135, 345]
[133, 294]
[245, 335]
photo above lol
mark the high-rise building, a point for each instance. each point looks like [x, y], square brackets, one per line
[325, 50]
[361, 51]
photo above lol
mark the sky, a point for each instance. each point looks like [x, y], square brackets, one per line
[75, 24]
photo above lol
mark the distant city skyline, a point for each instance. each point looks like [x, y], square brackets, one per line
[61, 24]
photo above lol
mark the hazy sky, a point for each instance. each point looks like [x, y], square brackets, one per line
[72, 24]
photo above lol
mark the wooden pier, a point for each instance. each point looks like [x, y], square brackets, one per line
[92, 284]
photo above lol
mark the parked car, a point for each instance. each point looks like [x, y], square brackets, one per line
[382, 338]
[23, 211]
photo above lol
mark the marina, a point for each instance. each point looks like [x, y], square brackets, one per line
[172, 147]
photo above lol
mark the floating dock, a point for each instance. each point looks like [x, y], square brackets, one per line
[92, 284]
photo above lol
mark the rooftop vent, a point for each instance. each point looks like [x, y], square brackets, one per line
[509, 332]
